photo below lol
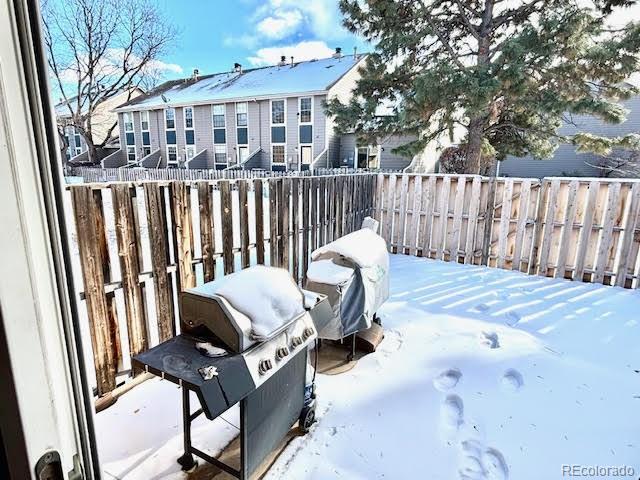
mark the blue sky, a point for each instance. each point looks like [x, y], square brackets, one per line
[217, 33]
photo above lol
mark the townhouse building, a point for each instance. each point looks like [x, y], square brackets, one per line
[270, 118]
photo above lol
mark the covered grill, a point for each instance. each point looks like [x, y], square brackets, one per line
[244, 339]
[353, 272]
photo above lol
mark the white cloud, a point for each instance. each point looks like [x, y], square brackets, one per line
[307, 50]
[280, 23]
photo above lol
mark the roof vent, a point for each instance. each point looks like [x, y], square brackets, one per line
[196, 74]
[292, 60]
[237, 67]
[283, 61]
[338, 53]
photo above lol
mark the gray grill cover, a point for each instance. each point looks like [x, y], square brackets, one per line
[354, 298]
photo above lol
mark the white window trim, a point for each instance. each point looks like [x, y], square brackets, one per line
[135, 154]
[165, 120]
[169, 162]
[226, 153]
[146, 154]
[224, 114]
[284, 163]
[238, 144]
[300, 122]
[124, 120]
[145, 112]
[184, 118]
[284, 123]
[186, 149]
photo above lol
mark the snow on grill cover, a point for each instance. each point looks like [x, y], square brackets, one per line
[354, 298]
[267, 295]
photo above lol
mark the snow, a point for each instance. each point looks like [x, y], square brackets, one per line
[325, 271]
[483, 374]
[310, 76]
[364, 247]
[267, 295]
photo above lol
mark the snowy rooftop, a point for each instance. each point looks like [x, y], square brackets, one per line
[483, 374]
[301, 77]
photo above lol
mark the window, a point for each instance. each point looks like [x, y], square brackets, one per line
[219, 131]
[188, 117]
[218, 116]
[305, 110]
[305, 155]
[190, 151]
[131, 154]
[241, 114]
[243, 153]
[77, 141]
[144, 120]
[78, 151]
[172, 154]
[170, 119]
[128, 122]
[146, 150]
[277, 112]
[220, 154]
[277, 154]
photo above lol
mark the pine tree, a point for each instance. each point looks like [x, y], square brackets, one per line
[508, 74]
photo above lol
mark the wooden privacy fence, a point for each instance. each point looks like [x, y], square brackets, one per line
[123, 174]
[141, 244]
[574, 228]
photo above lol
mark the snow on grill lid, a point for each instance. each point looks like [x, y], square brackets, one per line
[268, 296]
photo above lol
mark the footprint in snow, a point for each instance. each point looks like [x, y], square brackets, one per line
[392, 342]
[490, 339]
[512, 318]
[480, 463]
[447, 379]
[453, 412]
[512, 380]
[482, 307]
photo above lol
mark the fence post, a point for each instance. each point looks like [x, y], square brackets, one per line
[488, 221]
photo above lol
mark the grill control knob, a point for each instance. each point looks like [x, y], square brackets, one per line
[281, 353]
[264, 366]
[296, 342]
[307, 332]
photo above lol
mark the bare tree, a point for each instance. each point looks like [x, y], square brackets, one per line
[97, 48]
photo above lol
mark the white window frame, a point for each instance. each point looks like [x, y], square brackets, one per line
[284, 118]
[78, 151]
[246, 104]
[144, 150]
[284, 161]
[226, 155]
[127, 118]
[310, 123]
[300, 122]
[169, 162]
[131, 149]
[166, 129]
[184, 118]
[224, 115]
[144, 114]
[187, 149]
[242, 147]
[283, 124]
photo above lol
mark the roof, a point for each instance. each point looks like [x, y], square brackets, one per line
[62, 108]
[264, 82]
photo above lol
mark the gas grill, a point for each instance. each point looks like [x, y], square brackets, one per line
[219, 356]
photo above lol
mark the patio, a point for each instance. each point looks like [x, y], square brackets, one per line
[484, 373]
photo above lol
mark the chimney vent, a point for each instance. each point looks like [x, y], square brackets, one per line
[196, 74]
[237, 67]
[355, 53]
[292, 60]
[338, 53]
[283, 61]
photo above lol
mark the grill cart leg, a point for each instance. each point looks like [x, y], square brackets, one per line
[352, 353]
[186, 461]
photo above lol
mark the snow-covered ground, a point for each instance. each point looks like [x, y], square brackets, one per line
[483, 374]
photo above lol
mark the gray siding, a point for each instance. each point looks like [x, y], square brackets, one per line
[319, 124]
[347, 149]
[391, 160]
[256, 125]
[203, 128]
[180, 135]
[265, 137]
[231, 137]
[162, 139]
[291, 155]
[566, 161]
[137, 130]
